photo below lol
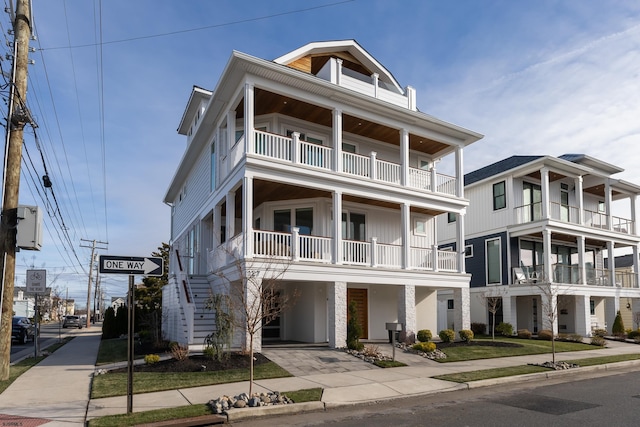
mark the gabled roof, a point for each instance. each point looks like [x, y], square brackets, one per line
[327, 48]
[498, 168]
[583, 159]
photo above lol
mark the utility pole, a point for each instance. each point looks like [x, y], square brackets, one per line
[93, 255]
[16, 120]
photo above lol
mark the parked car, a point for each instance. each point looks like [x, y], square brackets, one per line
[22, 330]
[72, 322]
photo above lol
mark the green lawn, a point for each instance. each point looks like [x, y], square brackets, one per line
[115, 384]
[527, 346]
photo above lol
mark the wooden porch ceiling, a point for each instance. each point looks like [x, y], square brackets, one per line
[596, 190]
[265, 191]
[569, 239]
[272, 103]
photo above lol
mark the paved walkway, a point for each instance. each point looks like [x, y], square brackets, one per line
[56, 392]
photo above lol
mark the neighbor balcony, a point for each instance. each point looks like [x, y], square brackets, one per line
[571, 214]
[571, 275]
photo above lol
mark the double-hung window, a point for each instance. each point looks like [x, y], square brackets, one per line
[499, 196]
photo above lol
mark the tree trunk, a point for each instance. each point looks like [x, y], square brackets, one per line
[250, 364]
[493, 328]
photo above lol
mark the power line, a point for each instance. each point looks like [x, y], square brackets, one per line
[208, 27]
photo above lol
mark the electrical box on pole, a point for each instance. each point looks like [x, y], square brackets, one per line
[29, 233]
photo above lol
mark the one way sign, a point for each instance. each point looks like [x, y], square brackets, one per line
[148, 266]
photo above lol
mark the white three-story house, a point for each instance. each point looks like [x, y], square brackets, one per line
[538, 232]
[319, 160]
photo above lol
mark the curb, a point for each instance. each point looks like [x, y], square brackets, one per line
[551, 374]
[238, 414]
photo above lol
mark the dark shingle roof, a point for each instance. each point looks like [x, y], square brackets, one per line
[497, 168]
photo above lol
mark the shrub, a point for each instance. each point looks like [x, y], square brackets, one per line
[424, 335]
[575, 338]
[466, 335]
[354, 330]
[447, 335]
[634, 335]
[524, 334]
[600, 332]
[505, 329]
[150, 359]
[598, 340]
[479, 328]
[371, 351]
[179, 351]
[618, 326]
[425, 347]
[545, 334]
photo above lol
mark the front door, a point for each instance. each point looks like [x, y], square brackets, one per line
[360, 298]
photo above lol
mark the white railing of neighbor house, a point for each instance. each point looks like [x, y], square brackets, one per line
[447, 260]
[313, 248]
[421, 258]
[388, 255]
[356, 252]
[369, 167]
[272, 243]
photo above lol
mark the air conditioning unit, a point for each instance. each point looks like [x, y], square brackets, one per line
[29, 234]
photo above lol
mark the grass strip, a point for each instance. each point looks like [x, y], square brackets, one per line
[115, 384]
[526, 347]
[388, 363]
[24, 365]
[298, 396]
[485, 374]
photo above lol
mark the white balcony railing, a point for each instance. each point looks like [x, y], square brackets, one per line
[295, 247]
[366, 167]
[571, 214]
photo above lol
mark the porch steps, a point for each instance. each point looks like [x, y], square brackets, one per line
[203, 318]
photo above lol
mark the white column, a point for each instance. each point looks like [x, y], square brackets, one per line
[249, 111]
[607, 202]
[295, 147]
[544, 177]
[634, 227]
[295, 250]
[373, 166]
[217, 225]
[407, 309]
[338, 76]
[461, 309]
[459, 173]
[580, 198]
[509, 312]
[405, 223]
[337, 140]
[337, 301]
[247, 215]
[337, 227]
[581, 261]
[611, 307]
[546, 248]
[611, 274]
[636, 268]
[460, 242]
[374, 80]
[583, 315]
[404, 157]
[231, 215]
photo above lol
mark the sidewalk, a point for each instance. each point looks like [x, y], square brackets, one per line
[56, 392]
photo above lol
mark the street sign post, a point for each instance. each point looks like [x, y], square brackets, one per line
[148, 266]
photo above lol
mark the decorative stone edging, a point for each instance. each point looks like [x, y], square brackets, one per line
[224, 403]
[558, 366]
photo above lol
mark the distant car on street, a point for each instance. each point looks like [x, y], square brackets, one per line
[22, 330]
[72, 322]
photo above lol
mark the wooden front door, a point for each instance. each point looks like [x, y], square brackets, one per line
[360, 298]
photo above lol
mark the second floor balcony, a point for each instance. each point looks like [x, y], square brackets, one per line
[571, 214]
[571, 275]
[367, 167]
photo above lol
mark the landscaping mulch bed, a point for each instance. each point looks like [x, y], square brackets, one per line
[198, 363]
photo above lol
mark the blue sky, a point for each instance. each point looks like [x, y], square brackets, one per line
[534, 77]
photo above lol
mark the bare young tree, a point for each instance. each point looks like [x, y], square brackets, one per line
[550, 294]
[493, 298]
[255, 295]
